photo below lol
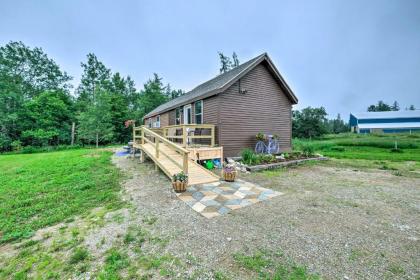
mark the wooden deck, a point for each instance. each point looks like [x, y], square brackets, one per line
[171, 158]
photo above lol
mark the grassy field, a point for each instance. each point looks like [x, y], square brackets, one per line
[376, 147]
[38, 190]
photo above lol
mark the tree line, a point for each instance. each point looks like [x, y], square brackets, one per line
[38, 105]
[384, 107]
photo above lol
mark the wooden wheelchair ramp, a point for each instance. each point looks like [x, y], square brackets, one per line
[171, 158]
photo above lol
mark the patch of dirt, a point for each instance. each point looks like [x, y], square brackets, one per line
[336, 221]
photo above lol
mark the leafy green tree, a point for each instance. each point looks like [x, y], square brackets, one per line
[31, 69]
[309, 122]
[380, 107]
[47, 119]
[24, 74]
[95, 124]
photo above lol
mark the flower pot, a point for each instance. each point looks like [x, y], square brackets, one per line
[229, 176]
[179, 186]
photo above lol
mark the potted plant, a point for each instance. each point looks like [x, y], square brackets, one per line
[179, 182]
[229, 173]
[260, 136]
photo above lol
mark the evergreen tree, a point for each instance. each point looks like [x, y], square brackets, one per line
[225, 63]
[95, 74]
[152, 95]
[411, 108]
[380, 107]
[235, 60]
[395, 106]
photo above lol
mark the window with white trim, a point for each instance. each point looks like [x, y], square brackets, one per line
[198, 111]
[157, 122]
[178, 113]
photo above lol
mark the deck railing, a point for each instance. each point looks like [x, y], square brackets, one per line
[148, 136]
[186, 134]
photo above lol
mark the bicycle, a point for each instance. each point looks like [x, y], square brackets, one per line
[272, 147]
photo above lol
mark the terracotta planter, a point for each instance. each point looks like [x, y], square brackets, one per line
[179, 186]
[229, 177]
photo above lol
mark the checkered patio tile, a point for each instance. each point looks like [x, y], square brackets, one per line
[219, 198]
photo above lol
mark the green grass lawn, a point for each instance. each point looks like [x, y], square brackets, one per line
[38, 190]
[367, 146]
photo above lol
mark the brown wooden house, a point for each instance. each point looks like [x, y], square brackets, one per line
[242, 102]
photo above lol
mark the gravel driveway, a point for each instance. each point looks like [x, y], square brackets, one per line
[338, 222]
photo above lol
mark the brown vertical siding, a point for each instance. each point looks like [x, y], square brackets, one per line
[210, 113]
[172, 116]
[263, 108]
[164, 119]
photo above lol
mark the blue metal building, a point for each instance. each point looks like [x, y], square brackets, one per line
[385, 122]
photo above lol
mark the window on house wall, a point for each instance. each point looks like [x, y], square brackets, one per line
[178, 113]
[198, 110]
[149, 123]
[157, 123]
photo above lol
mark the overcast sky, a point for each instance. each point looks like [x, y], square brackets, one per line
[343, 55]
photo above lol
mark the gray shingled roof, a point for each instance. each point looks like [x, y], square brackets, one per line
[214, 85]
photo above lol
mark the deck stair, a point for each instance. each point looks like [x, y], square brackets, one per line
[170, 157]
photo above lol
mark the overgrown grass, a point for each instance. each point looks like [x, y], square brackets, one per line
[369, 147]
[39, 190]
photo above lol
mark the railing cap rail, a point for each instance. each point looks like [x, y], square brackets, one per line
[164, 140]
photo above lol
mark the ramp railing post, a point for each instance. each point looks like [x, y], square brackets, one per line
[184, 136]
[185, 163]
[157, 147]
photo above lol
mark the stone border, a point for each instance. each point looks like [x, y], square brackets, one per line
[281, 164]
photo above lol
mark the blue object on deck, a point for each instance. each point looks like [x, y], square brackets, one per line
[121, 153]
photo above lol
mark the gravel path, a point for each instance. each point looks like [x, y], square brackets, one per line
[340, 223]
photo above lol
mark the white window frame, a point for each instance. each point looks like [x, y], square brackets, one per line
[186, 107]
[157, 122]
[201, 114]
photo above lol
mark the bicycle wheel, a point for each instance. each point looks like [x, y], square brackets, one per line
[273, 147]
[260, 147]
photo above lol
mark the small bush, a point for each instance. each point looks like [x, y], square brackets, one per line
[396, 150]
[308, 150]
[248, 156]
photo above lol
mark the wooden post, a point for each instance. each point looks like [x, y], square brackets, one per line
[142, 136]
[184, 136]
[212, 136]
[157, 147]
[73, 127]
[185, 163]
[141, 156]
